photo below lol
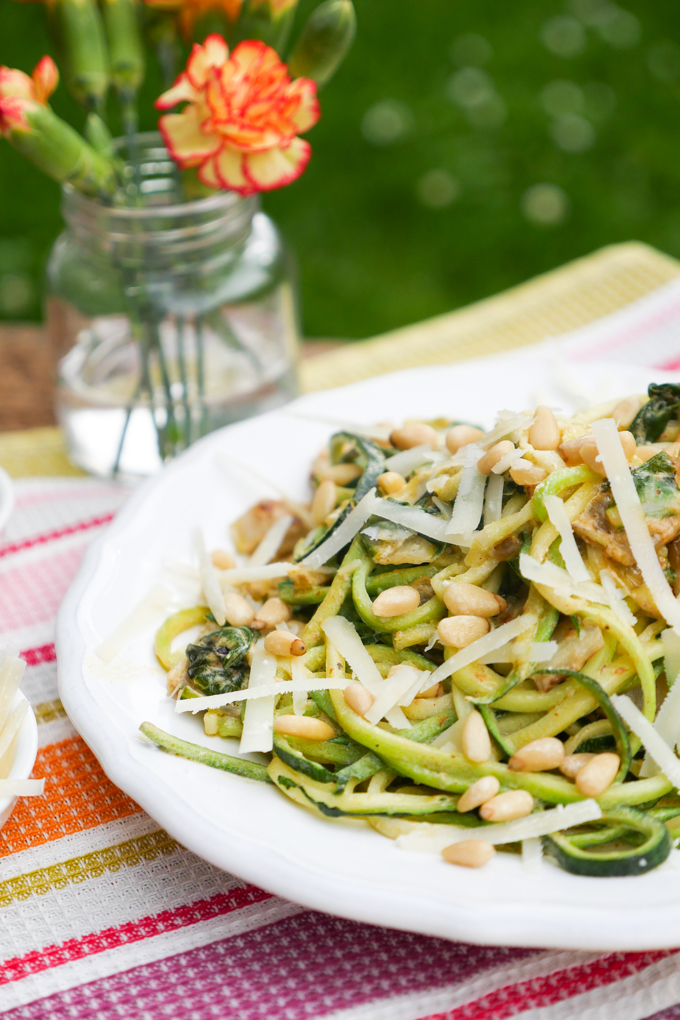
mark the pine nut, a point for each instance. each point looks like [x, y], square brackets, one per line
[496, 453]
[282, 642]
[210, 724]
[273, 611]
[238, 612]
[358, 698]
[507, 806]
[591, 456]
[324, 500]
[435, 691]
[303, 726]
[625, 411]
[481, 791]
[476, 740]
[462, 435]
[570, 450]
[221, 560]
[523, 472]
[416, 433]
[396, 601]
[544, 433]
[469, 853]
[538, 756]
[598, 774]
[461, 631]
[573, 763]
[463, 599]
[341, 474]
[391, 482]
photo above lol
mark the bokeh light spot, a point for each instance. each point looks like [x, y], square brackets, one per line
[17, 293]
[545, 204]
[470, 87]
[562, 96]
[573, 133]
[563, 36]
[387, 122]
[437, 189]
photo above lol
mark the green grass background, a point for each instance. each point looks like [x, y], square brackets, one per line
[372, 254]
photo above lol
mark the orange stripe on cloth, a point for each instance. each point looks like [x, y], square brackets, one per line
[77, 796]
[78, 869]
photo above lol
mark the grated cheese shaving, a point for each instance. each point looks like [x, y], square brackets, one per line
[21, 787]
[144, 614]
[244, 575]
[616, 598]
[258, 719]
[469, 503]
[552, 576]
[667, 722]
[344, 533]
[11, 671]
[261, 690]
[633, 519]
[398, 689]
[343, 636]
[532, 855]
[652, 741]
[559, 518]
[271, 542]
[299, 672]
[11, 727]
[507, 422]
[209, 581]
[425, 837]
[493, 501]
[413, 518]
[538, 651]
[489, 643]
[507, 461]
[407, 461]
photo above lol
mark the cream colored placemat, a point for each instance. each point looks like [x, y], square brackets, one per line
[548, 305]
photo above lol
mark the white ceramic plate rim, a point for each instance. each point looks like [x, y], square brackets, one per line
[615, 915]
[6, 498]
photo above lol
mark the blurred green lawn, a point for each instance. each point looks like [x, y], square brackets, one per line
[463, 147]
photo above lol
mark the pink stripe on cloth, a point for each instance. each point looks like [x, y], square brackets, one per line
[300, 968]
[51, 536]
[131, 931]
[31, 593]
[546, 991]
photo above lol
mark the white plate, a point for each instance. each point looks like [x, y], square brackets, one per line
[251, 829]
[27, 749]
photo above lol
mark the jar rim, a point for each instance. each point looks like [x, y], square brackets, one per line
[222, 200]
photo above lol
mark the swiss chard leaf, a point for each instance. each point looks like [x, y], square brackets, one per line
[217, 662]
[656, 486]
[346, 448]
[652, 418]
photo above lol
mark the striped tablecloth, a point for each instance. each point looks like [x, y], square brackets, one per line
[105, 916]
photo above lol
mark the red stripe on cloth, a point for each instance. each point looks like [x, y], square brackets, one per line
[669, 366]
[34, 656]
[132, 931]
[50, 536]
[556, 987]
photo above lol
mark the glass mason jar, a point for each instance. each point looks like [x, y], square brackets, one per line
[171, 318]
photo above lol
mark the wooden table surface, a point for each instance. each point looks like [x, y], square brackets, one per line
[27, 375]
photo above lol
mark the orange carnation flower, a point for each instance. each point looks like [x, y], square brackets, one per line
[19, 92]
[242, 118]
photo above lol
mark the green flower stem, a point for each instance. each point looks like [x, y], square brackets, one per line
[79, 32]
[122, 21]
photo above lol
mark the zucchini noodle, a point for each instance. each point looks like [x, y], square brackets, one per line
[373, 624]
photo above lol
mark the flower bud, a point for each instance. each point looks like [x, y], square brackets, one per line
[324, 41]
[79, 32]
[268, 20]
[126, 53]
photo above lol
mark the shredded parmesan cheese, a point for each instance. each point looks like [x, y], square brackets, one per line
[211, 585]
[489, 643]
[258, 719]
[244, 575]
[271, 542]
[260, 690]
[413, 518]
[299, 672]
[343, 636]
[493, 501]
[532, 855]
[559, 518]
[616, 598]
[633, 518]
[552, 576]
[467, 509]
[344, 533]
[144, 615]
[398, 689]
[11, 727]
[425, 837]
[507, 461]
[21, 787]
[538, 651]
[11, 671]
[652, 741]
[408, 460]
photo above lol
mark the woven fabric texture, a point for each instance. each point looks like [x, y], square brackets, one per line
[105, 916]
